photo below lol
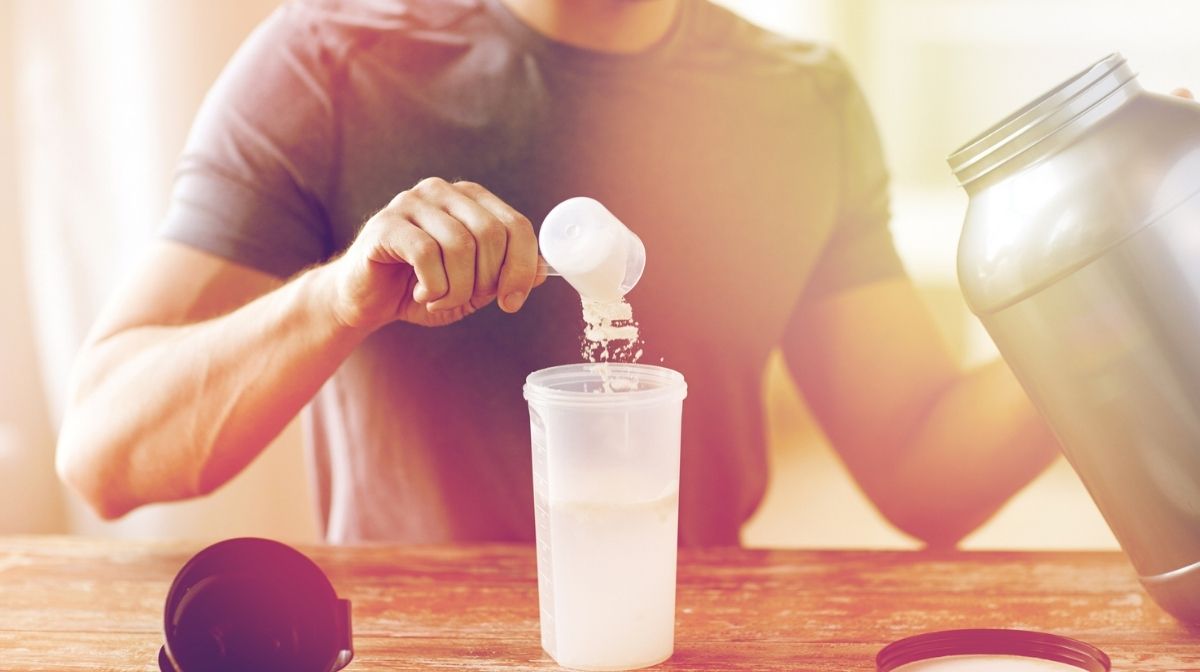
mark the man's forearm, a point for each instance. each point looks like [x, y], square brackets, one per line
[167, 412]
[981, 441]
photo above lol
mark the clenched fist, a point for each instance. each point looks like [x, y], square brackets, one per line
[437, 253]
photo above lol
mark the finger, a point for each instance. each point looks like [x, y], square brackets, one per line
[491, 238]
[401, 241]
[518, 272]
[457, 247]
[518, 276]
[1183, 92]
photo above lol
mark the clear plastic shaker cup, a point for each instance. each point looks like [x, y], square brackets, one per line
[606, 497]
[591, 249]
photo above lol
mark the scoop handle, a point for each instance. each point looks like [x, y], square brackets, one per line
[546, 269]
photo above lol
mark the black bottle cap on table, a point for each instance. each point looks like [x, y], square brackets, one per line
[254, 604]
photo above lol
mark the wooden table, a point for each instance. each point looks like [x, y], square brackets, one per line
[72, 604]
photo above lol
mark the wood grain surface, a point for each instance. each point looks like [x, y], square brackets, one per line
[84, 604]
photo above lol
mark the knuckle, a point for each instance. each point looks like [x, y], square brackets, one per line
[468, 186]
[424, 251]
[519, 224]
[462, 242]
[431, 185]
[517, 220]
[493, 235]
[400, 199]
[468, 245]
[378, 226]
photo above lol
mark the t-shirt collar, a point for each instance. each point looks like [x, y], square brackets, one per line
[561, 52]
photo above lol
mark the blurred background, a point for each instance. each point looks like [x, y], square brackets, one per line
[96, 97]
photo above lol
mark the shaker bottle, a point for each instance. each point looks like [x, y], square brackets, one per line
[606, 501]
[1081, 255]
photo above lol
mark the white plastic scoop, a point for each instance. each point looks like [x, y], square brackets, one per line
[590, 248]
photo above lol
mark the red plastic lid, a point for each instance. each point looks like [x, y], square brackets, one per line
[1038, 645]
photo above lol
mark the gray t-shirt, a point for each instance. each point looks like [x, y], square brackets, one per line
[748, 164]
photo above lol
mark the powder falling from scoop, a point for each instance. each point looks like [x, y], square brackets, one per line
[610, 335]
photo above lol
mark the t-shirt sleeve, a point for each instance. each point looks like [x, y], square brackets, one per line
[253, 178]
[860, 248]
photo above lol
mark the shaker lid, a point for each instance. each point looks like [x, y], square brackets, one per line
[254, 604]
[1023, 643]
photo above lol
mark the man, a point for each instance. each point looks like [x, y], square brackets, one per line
[748, 164]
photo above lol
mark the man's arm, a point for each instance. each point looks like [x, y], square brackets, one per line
[197, 363]
[938, 450]
[194, 366]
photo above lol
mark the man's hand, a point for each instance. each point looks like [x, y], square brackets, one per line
[437, 253]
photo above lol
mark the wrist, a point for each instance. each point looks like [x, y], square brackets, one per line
[327, 299]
